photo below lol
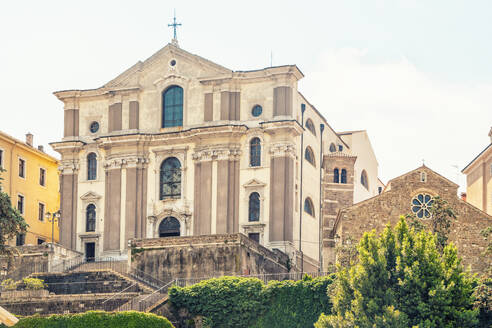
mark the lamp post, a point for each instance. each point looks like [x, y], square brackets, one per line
[52, 218]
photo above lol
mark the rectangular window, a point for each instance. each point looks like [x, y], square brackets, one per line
[20, 239]
[1, 157]
[20, 203]
[22, 168]
[42, 177]
[41, 212]
[41, 241]
[254, 236]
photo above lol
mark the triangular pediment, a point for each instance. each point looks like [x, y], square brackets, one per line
[90, 196]
[253, 183]
[158, 65]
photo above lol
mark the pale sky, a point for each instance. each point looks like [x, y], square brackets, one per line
[417, 75]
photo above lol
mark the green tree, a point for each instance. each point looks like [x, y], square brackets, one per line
[402, 280]
[11, 221]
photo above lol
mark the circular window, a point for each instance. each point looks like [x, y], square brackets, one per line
[94, 127]
[172, 62]
[257, 110]
[421, 205]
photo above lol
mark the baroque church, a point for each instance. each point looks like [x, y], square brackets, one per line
[180, 146]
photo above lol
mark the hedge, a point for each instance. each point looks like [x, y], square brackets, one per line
[96, 319]
[248, 303]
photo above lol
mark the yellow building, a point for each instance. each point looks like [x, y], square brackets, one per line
[31, 180]
[479, 179]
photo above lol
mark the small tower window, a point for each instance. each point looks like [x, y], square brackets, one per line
[336, 176]
[343, 176]
[423, 177]
[333, 148]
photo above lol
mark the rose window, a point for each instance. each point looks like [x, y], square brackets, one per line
[421, 205]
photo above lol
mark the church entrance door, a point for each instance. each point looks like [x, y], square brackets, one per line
[90, 252]
[169, 227]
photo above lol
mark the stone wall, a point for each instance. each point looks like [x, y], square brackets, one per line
[204, 256]
[376, 212]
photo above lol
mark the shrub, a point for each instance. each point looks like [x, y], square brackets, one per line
[96, 319]
[34, 283]
[247, 302]
[10, 284]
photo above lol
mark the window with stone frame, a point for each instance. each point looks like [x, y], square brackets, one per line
[170, 179]
[22, 168]
[255, 152]
[310, 126]
[309, 156]
[90, 218]
[42, 177]
[172, 107]
[20, 204]
[254, 207]
[41, 208]
[20, 239]
[343, 176]
[309, 206]
[91, 166]
[333, 148]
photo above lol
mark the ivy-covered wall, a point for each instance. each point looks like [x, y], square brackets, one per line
[248, 303]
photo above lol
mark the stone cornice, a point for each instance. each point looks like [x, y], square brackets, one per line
[69, 166]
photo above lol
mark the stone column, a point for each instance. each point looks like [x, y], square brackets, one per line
[68, 203]
[112, 206]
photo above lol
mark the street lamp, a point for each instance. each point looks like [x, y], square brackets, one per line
[52, 218]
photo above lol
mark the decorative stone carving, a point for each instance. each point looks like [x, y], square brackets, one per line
[69, 166]
[283, 149]
[218, 152]
[125, 161]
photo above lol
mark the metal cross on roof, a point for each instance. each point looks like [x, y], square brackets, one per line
[174, 25]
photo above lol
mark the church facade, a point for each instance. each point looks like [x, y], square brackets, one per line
[180, 146]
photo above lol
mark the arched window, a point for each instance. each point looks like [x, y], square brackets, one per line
[336, 176]
[255, 152]
[333, 148]
[170, 178]
[343, 176]
[172, 107]
[254, 207]
[169, 227]
[90, 218]
[310, 126]
[309, 155]
[363, 179]
[91, 166]
[308, 206]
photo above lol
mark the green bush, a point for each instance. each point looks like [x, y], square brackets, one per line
[9, 284]
[247, 302]
[34, 283]
[96, 319]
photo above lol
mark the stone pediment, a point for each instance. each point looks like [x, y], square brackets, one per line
[90, 196]
[253, 183]
[158, 66]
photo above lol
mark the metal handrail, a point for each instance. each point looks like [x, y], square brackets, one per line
[114, 295]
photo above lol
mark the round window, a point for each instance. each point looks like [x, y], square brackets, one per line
[172, 62]
[257, 110]
[421, 205]
[94, 127]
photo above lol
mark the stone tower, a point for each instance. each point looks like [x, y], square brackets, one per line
[338, 192]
